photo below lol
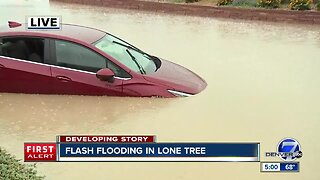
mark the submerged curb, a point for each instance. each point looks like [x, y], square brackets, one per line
[272, 15]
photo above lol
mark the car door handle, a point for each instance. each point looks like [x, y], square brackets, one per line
[2, 66]
[63, 78]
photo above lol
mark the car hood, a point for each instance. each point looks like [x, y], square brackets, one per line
[177, 78]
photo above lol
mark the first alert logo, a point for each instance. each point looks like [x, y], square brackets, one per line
[40, 152]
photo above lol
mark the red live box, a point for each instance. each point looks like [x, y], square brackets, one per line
[36, 152]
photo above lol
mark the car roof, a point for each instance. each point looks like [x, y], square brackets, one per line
[82, 33]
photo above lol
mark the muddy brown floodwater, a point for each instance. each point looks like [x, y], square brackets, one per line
[263, 85]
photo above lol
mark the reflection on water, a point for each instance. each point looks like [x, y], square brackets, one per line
[263, 85]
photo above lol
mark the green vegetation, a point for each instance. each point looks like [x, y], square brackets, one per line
[224, 2]
[283, 4]
[244, 3]
[300, 4]
[269, 3]
[13, 169]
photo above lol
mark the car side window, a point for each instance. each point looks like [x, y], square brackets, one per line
[75, 56]
[30, 49]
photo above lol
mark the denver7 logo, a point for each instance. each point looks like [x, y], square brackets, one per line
[289, 149]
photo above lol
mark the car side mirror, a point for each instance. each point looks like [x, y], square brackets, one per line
[105, 75]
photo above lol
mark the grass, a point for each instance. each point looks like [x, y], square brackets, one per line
[13, 169]
[244, 3]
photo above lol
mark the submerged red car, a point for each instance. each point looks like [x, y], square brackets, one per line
[80, 60]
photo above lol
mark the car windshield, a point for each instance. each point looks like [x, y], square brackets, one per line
[128, 55]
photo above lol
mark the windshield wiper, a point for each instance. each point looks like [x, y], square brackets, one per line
[142, 71]
[129, 47]
[135, 49]
[153, 58]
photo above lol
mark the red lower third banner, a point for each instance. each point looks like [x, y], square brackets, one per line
[36, 152]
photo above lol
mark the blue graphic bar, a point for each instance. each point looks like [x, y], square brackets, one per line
[290, 167]
[159, 152]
